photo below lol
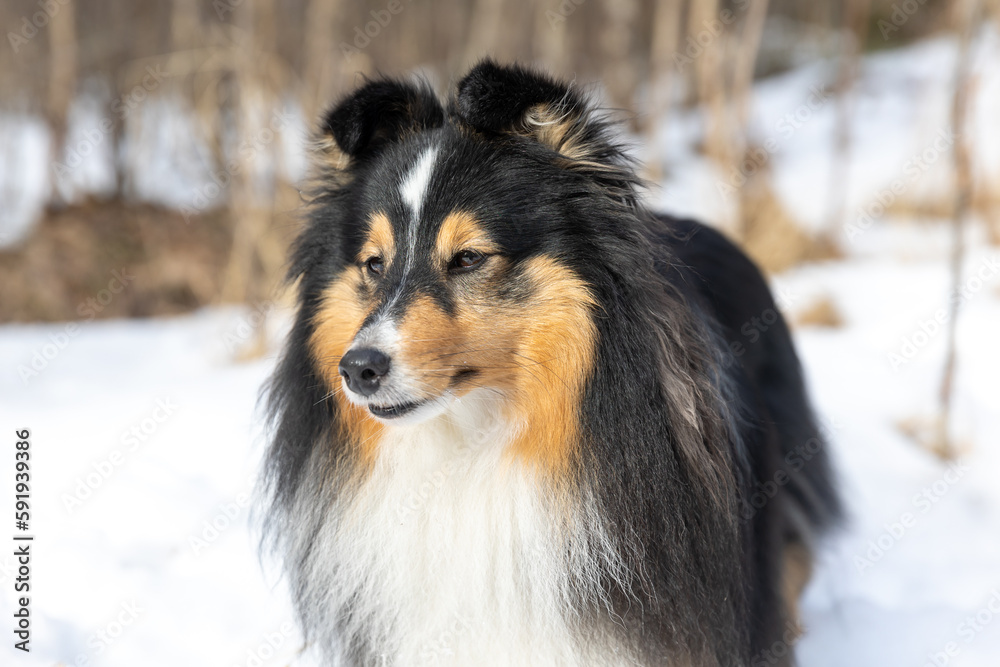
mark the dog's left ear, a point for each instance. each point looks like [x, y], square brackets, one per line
[379, 113]
[498, 99]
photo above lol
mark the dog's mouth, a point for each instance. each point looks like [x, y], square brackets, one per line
[393, 411]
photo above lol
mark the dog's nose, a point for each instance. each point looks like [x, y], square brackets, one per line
[364, 369]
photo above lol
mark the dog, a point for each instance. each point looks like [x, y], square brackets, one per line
[519, 420]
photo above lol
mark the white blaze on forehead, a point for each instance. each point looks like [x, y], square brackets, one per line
[414, 190]
[414, 186]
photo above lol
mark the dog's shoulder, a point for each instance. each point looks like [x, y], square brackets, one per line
[700, 259]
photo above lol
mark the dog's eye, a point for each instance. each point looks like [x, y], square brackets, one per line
[465, 261]
[375, 266]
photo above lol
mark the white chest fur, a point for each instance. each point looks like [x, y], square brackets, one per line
[449, 553]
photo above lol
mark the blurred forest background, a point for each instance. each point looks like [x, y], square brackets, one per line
[167, 137]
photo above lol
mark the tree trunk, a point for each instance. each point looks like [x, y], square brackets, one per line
[616, 39]
[743, 70]
[662, 66]
[62, 79]
[964, 13]
[854, 25]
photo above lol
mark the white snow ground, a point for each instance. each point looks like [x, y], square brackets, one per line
[120, 578]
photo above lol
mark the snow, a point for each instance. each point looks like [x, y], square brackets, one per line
[128, 542]
[25, 145]
[899, 114]
[165, 155]
[87, 166]
[913, 589]
[913, 578]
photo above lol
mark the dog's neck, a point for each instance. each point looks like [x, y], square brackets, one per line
[450, 551]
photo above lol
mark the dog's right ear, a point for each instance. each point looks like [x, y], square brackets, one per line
[378, 113]
[510, 101]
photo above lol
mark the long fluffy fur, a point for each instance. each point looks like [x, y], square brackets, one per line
[642, 551]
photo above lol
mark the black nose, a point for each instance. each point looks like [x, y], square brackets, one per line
[364, 369]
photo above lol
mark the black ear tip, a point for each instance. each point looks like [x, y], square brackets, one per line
[489, 96]
[384, 107]
[332, 118]
[341, 121]
[485, 70]
[328, 122]
[494, 97]
[488, 75]
[476, 85]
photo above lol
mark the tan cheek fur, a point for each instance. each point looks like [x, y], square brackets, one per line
[556, 356]
[537, 355]
[429, 340]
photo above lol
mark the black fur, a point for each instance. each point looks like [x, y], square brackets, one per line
[492, 98]
[684, 416]
[382, 112]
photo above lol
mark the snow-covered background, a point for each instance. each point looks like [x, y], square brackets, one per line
[145, 434]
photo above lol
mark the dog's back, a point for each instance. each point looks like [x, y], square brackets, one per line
[789, 497]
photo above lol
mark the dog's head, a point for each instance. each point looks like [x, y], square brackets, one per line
[448, 248]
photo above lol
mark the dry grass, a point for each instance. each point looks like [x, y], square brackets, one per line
[928, 433]
[821, 313]
[772, 237]
[985, 205]
[71, 254]
[913, 208]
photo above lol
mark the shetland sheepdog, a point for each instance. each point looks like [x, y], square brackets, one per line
[519, 420]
